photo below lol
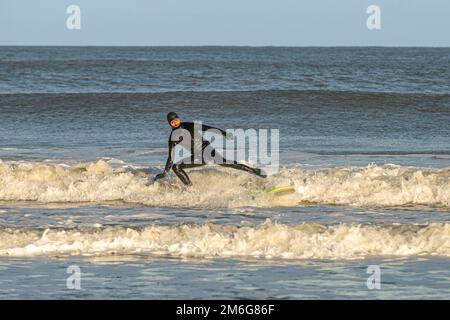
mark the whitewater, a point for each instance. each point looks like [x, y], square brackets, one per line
[370, 186]
[267, 240]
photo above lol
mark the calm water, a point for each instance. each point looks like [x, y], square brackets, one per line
[364, 139]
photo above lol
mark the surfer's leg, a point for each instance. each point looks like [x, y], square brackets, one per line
[181, 174]
[243, 167]
[239, 166]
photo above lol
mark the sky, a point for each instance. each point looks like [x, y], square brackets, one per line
[226, 22]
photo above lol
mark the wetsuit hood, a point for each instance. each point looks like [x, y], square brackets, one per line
[171, 115]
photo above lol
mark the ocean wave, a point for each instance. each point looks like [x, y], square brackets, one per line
[268, 240]
[216, 187]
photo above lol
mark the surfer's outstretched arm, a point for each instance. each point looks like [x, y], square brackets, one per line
[169, 162]
[206, 128]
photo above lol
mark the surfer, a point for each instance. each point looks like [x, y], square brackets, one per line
[197, 147]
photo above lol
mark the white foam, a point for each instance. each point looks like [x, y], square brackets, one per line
[216, 187]
[268, 240]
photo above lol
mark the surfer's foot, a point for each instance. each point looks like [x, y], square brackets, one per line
[187, 183]
[260, 173]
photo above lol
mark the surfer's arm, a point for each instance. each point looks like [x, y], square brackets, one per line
[169, 164]
[222, 132]
[169, 161]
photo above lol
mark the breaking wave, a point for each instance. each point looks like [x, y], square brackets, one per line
[371, 186]
[268, 240]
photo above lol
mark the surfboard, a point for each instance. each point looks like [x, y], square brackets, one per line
[280, 190]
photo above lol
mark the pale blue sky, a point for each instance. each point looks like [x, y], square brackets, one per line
[226, 22]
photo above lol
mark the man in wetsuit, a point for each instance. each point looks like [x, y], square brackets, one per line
[197, 147]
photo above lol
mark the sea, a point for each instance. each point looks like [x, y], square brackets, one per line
[364, 141]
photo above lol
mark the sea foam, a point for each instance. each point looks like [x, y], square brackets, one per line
[216, 187]
[267, 240]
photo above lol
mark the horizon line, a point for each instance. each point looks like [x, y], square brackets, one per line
[236, 46]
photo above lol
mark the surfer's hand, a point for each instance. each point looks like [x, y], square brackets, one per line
[160, 175]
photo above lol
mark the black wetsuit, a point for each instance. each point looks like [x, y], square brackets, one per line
[195, 148]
